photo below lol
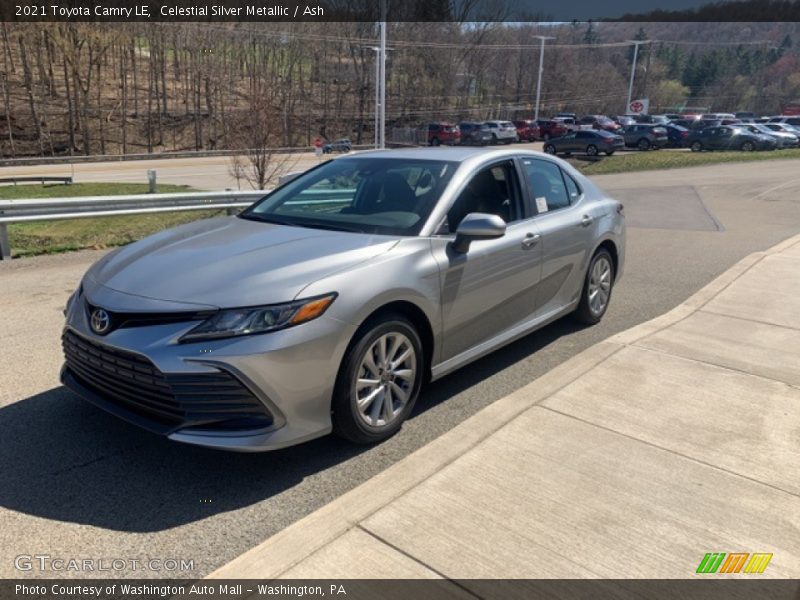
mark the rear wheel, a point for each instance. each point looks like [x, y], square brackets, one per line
[596, 289]
[379, 381]
[696, 146]
[435, 142]
[748, 147]
[591, 150]
[644, 144]
[550, 149]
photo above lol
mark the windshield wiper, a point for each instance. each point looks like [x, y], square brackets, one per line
[328, 226]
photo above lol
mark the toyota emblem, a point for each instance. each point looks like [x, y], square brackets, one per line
[100, 321]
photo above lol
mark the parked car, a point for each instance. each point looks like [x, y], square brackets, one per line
[586, 141]
[569, 123]
[652, 119]
[789, 120]
[783, 139]
[550, 128]
[503, 132]
[784, 127]
[677, 136]
[285, 323]
[600, 122]
[344, 145]
[674, 116]
[566, 115]
[475, 133]
[718, 116]
[645, 136]
[527, 130]
[727, 137]
[745, 115]
[443, 133]
[625, 120]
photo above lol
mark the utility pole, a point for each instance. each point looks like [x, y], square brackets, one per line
[377, 51]
[542, 39]
[636, 44]
[382, 78]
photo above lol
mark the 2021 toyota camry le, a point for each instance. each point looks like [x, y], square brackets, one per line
[326, 305]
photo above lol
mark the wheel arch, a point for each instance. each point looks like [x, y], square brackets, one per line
[611, 247]
[413, 313]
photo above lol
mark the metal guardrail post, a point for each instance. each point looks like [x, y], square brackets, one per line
[151, 180]
[5, 246]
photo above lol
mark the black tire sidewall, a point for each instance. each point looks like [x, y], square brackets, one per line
[344, 413]
[591, 152]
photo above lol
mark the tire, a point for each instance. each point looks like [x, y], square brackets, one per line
[435, 142]
[610, 152]
[550, 149]
[377, 420]
[494, 140]
[696, 147]
[643, 144]
[598, 283]
[748, 147]
[591, 150]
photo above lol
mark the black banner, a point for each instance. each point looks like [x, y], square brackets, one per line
[359, 589]
[398, 10]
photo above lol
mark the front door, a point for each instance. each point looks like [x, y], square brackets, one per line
[492, 287]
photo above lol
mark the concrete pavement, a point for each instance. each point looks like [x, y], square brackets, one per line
[632, 459]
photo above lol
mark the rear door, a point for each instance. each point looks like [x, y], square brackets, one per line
[567, 223]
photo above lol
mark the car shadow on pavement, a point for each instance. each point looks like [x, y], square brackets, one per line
[65, 460]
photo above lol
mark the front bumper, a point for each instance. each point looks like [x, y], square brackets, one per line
[276, 387]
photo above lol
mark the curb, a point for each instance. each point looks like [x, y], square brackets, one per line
[290, 546]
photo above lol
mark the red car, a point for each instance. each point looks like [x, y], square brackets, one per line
[528, 131]
[443, 133]
[600, 122]
[551, 129]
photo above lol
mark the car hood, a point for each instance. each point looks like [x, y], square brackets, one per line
[231, 262]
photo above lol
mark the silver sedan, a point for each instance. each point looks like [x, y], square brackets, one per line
[326, 305]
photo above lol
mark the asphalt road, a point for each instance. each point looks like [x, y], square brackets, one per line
[76, 483]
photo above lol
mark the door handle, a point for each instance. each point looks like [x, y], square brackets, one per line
[587, 220]
[531, 239]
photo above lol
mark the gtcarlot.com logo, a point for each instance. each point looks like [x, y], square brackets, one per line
[734, 562]
[45, 562]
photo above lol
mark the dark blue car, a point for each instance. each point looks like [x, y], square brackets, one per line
[677, 136]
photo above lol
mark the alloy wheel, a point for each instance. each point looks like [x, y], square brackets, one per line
[385, 379]
[600, 285]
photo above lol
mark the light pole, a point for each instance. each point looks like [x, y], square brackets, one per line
[382, 79]
[377, 51]
[636, 44]
[542, 39]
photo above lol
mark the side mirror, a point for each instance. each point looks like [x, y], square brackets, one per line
[477, 226]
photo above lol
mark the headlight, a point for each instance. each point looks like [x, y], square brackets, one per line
[259, 319]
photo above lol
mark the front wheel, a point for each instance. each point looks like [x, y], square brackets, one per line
[748, 147]
[696, 146]
[379, 381]
[591, 150]
[596, 289]
[644, 144]
[550, 149]
[435, 142]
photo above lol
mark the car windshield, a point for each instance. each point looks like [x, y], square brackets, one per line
[391, 196]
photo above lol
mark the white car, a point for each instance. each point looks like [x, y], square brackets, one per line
[502, 131]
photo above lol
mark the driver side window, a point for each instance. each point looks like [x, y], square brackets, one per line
[493, 190]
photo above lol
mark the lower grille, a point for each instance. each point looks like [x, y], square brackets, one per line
[161, 402]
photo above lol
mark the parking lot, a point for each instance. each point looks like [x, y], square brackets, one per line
[83, 484]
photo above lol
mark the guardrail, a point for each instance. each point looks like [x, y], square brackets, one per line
[26, 211]
[36, 179]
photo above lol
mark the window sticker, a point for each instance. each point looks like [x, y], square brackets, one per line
[541, 204]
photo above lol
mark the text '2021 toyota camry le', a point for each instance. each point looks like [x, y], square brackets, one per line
[327, 304]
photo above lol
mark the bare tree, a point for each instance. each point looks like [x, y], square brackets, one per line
[259, 163]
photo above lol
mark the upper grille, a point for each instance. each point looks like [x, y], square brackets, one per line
[216, 401]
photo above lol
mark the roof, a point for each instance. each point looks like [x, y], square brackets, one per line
[449, 153]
